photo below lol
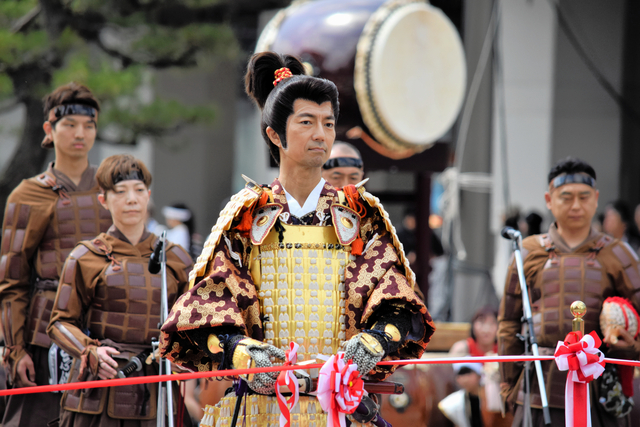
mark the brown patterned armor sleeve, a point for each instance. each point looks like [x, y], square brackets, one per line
[26, 218]
[225, 297]
[509, 325]
[72, 300]
[379, 281]
[625, 271]
[181, 264]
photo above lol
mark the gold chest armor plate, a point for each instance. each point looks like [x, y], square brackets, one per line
[300, 285]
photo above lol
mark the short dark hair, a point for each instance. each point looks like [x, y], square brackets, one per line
[277, 102]
[71, 93]
[120, 164]
[571, 165]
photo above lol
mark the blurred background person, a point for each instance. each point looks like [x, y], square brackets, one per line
[152, 224]
[483, 341]
[344, 166]
[182, 228]
[618, 223]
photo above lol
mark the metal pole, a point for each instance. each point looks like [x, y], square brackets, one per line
[164, 313]
[526, 308]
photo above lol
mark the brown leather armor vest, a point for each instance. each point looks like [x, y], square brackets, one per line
[126, 305]
[565, 278]
[77, 216]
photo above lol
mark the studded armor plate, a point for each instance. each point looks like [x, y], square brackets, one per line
[300, 284]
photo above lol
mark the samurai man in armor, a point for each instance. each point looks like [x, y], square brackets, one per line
[107, 308]
[45, 217]
[296, 261]
[573, 261]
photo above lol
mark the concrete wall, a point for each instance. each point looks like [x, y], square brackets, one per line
[526, 46]
[195, 166]
[586, 119]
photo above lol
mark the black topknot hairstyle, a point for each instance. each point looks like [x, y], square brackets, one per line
[571, 165]
[276, 102]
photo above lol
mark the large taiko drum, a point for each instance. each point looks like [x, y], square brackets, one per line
[399, 64]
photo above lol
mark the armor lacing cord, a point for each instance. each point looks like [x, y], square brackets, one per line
[51, 182]
[593, 253]
[551, 250]
[115, 264]
[352, 196]
[280, 229]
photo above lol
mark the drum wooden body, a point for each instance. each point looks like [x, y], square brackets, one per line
[398, 64]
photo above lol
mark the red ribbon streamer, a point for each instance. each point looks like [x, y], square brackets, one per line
[236, 372]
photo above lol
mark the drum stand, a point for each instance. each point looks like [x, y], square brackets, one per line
[529, 339]
[165, 395]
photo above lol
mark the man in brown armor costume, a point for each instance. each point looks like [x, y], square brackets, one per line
[573, 261]
[296, 261]
[106, 289]
[45, 217]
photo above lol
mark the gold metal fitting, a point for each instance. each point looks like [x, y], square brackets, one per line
[578, 310]
[241, 359]
[371, 344]
[214, 345]
[393, 332]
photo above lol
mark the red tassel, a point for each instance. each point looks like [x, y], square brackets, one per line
[626, 379]
[247, 216]
[245, 223]
[357, 246]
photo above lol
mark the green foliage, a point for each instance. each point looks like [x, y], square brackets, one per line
[11, 10]
[130, 118]
[115, 72]
[171, 43]
[6, 86]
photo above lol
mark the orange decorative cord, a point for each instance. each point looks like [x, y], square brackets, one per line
[353, 199]
[281, 74]
[352, 196]
[247, 216]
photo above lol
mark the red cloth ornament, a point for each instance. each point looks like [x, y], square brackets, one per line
[288, 379]
[580, 356]
[340, 389]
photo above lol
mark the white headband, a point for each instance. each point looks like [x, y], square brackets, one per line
[181, 215]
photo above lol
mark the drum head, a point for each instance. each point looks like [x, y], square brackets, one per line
[410, 74]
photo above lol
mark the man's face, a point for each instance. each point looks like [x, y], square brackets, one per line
[310, 135]
[342, 175]
[572, 205]
[127, 202]
[73, 136]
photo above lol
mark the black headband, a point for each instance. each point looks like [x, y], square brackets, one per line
[576, 178]
[341, 162]
[134, 174]
[73, 109]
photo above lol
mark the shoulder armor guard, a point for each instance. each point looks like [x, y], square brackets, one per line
[249, 195]
[374, 202]
[346, 223]
[97, 245]
[624, 253]
[264, 221]
[46, 180]
[80, 250]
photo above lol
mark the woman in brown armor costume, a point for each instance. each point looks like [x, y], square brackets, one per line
[107, 308]
[296, 261]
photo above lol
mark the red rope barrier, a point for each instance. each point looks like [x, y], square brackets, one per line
[236, 372]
